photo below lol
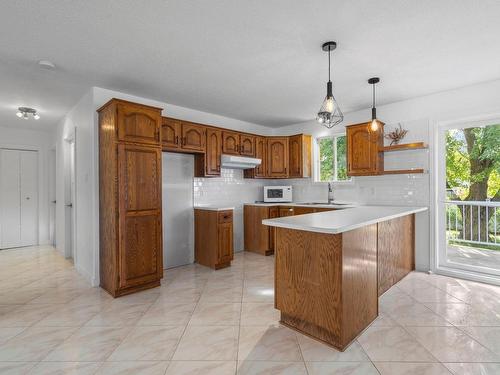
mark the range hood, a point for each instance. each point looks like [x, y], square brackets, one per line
[239, 162]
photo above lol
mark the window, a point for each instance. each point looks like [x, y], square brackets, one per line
[331, 163]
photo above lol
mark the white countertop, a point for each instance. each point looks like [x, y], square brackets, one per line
[339, 204]
[213, 208]
[339, 221]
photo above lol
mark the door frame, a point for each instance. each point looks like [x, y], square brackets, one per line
[38, 150]
[439, 263]
[52, 191]
[70, 192]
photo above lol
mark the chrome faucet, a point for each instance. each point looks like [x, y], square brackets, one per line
[330, 193]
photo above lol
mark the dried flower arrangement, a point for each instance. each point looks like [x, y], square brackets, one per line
[396, 135]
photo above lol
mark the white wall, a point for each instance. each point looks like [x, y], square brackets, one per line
[421, 116]
[79, 123]
[230, 189]
[26, 139]
[83, 117]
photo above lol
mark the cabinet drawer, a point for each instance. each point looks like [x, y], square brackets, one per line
[225, 216]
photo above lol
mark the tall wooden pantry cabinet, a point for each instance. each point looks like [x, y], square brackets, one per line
[130, 197]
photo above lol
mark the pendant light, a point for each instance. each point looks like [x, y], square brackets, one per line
[329, 114]
[374, 125]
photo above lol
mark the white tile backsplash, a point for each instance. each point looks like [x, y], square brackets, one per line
[230, 189]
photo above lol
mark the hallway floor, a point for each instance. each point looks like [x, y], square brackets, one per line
[205, 322]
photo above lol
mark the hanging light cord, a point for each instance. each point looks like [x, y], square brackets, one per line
[329, 64]
[373, 105]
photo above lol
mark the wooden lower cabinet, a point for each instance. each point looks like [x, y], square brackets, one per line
[286, 211]
[130, 201]
[260, 238]
[396, 251]
[213, 238]
[326, 284]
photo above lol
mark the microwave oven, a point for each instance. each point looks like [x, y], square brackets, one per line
[277, 193]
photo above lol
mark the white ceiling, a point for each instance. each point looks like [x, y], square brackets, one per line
[259, 61]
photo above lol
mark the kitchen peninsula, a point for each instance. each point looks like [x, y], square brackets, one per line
[332, 266]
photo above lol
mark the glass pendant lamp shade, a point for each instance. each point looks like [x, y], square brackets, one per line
[329, 114]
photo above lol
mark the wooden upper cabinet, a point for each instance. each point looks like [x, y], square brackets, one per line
[170, 133]
[230, 143]
[138, 123]
[213, 152]
[193, 137]
[261, 153]
[247, 145]
[277, 157]
[364, 156]
[299, 152]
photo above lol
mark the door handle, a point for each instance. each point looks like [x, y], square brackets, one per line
[69, 205]
[27, 198]
[54, 202]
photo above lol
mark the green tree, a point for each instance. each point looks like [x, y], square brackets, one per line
[473, 170]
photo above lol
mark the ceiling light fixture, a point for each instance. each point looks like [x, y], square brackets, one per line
[25, 112]
[374, 125]
[329, 114]
[46, 64]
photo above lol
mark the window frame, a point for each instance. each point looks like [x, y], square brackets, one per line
[316, 161]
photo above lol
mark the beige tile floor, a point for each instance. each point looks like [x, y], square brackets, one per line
[223, 322]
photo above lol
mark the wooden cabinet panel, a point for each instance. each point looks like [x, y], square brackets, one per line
[193, 137]
[140, 249]
[277, 157]
[225, 250]
[261, 153]
[286, 211]
[364, 156]
[139, 124]
[213, 240]
[299, 156]
[230, 143]
[170, 133]
[273, 213]
[396, 251]
[247, 145]
[140, 214]
[140, 180]
[130, 222]
[256, 235]
[303, 210]
[213, 153]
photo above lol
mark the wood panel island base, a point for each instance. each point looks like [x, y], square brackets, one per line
[329, 268]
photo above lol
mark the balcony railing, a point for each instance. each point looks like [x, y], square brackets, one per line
[475, 222]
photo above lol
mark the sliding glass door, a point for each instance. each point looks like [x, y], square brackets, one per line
[469, 199]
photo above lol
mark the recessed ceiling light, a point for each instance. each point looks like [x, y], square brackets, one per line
[46, 64]
[25, 112]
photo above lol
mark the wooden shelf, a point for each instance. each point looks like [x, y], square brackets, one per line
[404, 146]
[404, 171]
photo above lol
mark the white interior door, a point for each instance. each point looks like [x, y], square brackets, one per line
[28, 176]
[52, 197]
[10, 199]
[18, 198]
